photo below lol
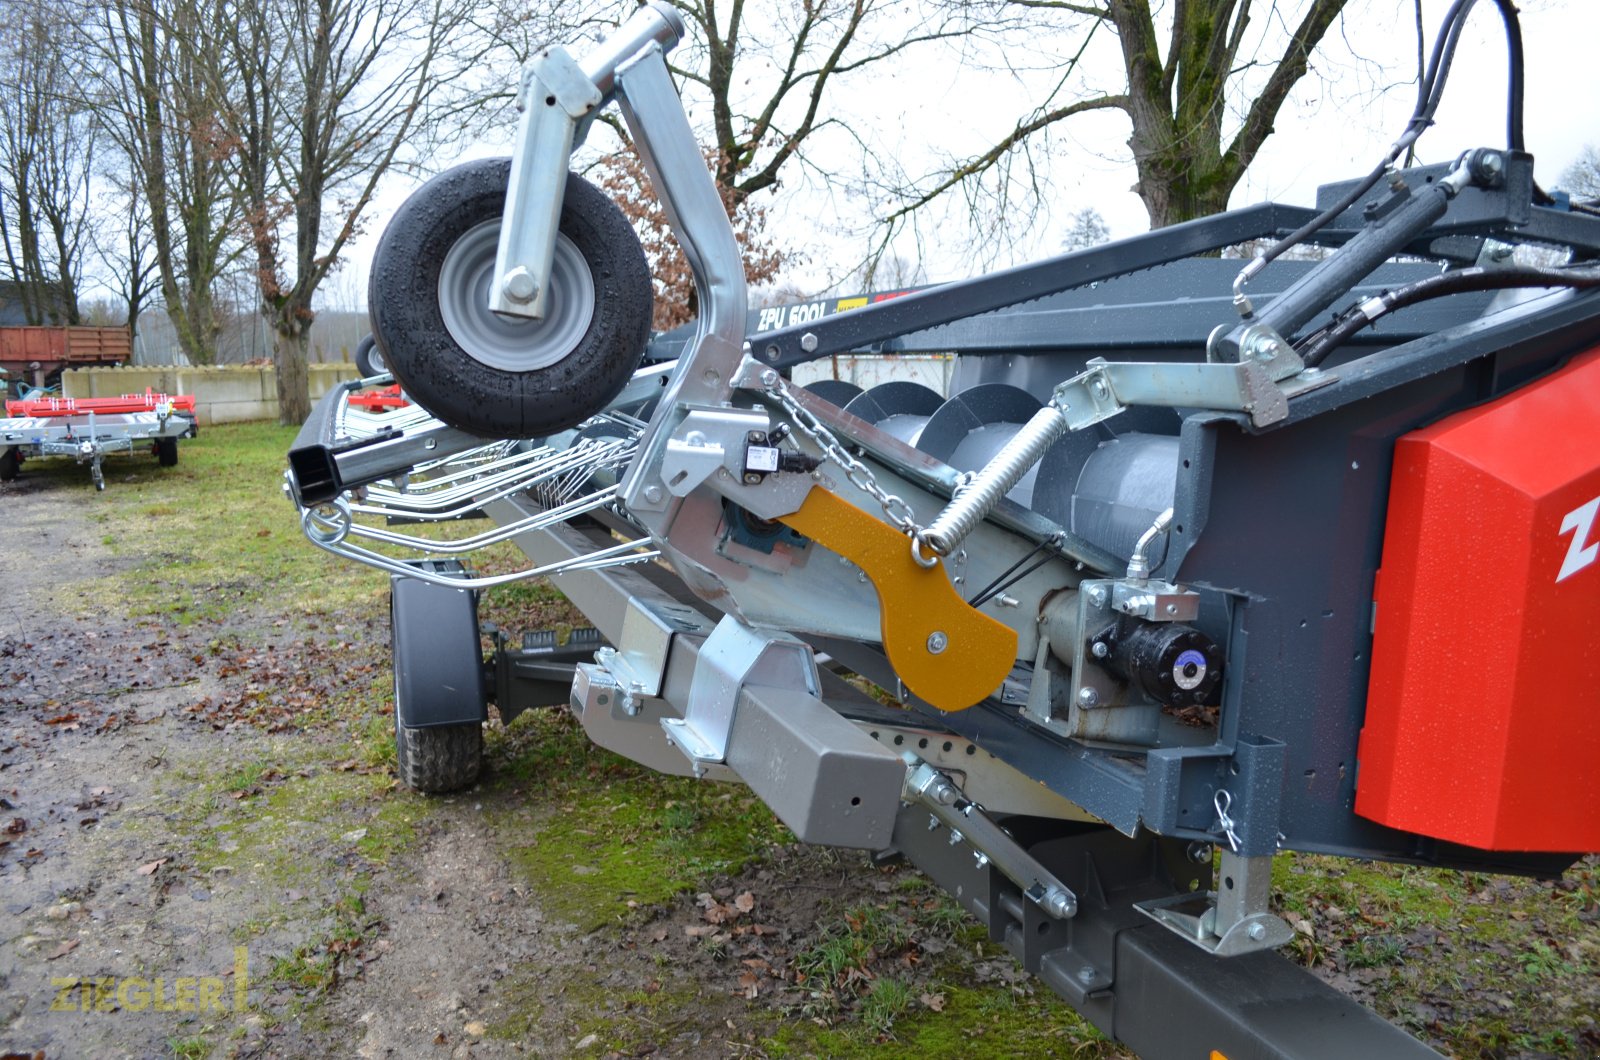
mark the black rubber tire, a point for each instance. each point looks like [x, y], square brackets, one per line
[433, 759]
[10, 463]
[448, 381]
[167, 452]
[440, 758]
[369, 360]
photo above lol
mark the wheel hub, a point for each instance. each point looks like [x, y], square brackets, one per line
[513, 344]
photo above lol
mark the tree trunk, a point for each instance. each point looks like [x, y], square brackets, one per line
[193, 317]
[291, 343]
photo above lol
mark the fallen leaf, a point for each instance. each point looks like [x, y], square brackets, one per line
[475, 1029]
[63, 949]
[698, 931]
[745, 902]
[750, 984]
[934, 1001]
[149, 870]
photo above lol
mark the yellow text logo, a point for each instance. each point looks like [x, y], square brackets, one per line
[132, 993]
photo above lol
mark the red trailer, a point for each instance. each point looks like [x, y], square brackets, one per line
[37, 355]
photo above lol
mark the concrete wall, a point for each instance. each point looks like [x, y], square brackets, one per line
[223, 393]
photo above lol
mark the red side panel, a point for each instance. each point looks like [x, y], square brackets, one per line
[1483, 711]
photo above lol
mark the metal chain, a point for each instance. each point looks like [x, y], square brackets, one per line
[860, 475]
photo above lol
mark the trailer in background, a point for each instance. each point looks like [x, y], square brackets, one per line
[38, 355]
[87, 429]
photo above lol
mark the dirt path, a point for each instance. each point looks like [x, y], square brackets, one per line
[200, 859]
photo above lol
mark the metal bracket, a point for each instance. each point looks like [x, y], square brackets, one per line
[1231, 920]
[558, 99]
[639, 661]
[735, 655]
[990, 843]
[1155, 601]
[1264, 346]
[1106, 388]
[556, 94]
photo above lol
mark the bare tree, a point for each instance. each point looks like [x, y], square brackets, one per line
[124, 243]
[47, 143]
[763, 78]
[330, 96]
[768, 70]
[1193, 133]
[1581, 180]
[1085, 228]
[159, 103]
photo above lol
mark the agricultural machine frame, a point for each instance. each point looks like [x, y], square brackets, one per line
[1173, 582]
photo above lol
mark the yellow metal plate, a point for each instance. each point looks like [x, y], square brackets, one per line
[914, 603]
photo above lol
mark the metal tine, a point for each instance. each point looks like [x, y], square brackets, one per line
[466, 462]
[437, 483]
[543, 519]
[557, 459]
[618, 555]
[484, 482]
[357, 422]
[490, 488]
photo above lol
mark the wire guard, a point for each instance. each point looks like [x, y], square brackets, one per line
[564, 482]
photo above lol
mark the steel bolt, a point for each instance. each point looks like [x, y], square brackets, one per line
[751, 478]
[1097, 596]
[1086, 975]
[1263, 348]
[1099, 389]
[519, 285]
[654, 494]
[1099, 649]
[1257, 931]
[769, 378]
[771, 353]
[808, 342]
[1088, 697]
[980, 858]
[937, 642]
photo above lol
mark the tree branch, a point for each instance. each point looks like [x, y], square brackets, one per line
[989, 158]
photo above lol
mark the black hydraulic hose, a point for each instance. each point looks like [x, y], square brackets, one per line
[1317, 347]
[1430, 90]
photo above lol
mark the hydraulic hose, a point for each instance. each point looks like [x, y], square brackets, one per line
[1317, 347]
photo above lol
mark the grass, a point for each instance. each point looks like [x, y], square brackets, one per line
[212, 535]
[604, 832]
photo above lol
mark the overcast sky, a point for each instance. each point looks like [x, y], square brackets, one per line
[926, 109]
